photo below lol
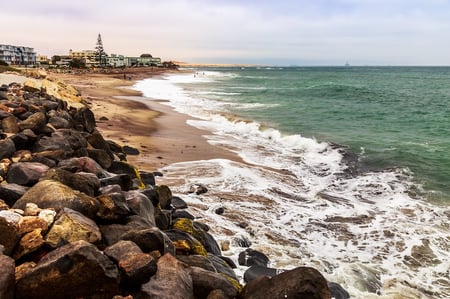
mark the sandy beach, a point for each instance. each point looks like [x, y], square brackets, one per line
[161, 135]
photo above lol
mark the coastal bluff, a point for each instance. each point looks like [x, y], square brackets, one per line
[79, 221]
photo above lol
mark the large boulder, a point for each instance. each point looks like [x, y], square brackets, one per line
[206, 281]
[302, 282]
[52, 194]
[141, 205]
[7, 279]
[170, 281]
[76, 270]
[72, 226]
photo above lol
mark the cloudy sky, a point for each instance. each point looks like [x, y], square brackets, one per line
[276, 32]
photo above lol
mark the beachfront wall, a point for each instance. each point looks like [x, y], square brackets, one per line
[17, 55]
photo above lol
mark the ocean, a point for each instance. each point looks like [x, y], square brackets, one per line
[347, 169]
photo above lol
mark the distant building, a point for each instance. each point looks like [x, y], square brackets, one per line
[17, 55]
[115, 60]
[87, 57]
[43, 60]
[143, 60]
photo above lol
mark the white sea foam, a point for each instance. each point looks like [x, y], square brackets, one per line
[294, 202]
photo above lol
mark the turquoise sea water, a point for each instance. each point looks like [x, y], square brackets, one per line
[390, 116]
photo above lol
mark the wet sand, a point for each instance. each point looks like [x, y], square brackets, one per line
[161, 135]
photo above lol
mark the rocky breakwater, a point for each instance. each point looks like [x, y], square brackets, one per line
[78, 221]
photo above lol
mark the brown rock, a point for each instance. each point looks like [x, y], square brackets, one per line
[36, 122]
[30, 223]
[9, 232]
[302, 282]
[9, 124]
[171, 281]
[76, 270]
[150, 239]
[7, 280]
[72, 226]
[206, 281]
[29, 242]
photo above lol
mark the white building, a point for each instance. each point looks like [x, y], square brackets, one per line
[17, 55]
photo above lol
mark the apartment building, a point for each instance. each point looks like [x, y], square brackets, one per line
[17, 55]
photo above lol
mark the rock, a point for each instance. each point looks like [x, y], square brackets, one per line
[122, 180]
[30, 223]
[195, 260]
[29, 243]
[7, 148]
[206, 281]
[130, 150]
[100, 156]
[185, 243]
[10, 193]
[82, 164]
[242, 241]
[228, 261]
[148, 178]
[9, 124]
[164, 196]
[302, 282]
[60, 123]
[150, 239]
[112, 206]
[141, 205]
[26, 173]
[97, 141]
[87, 183]
[72, 226]
[163, 219]
[7, 277]
[225, 245]
[178, 203]
[76, 270]
[337, 291]
[251, 257]
[256, 271]
[135, 266]
[85, 118]
[9, 232]
[198, 189]
[35, 122]
[222, 266]
[219, 211]
[121, 167]
[170, 281]
[23, 141]
[52, 194]
[182, 214]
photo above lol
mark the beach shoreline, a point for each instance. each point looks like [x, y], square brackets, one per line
[125, 116]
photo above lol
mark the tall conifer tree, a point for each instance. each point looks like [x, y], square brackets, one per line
[100, 53]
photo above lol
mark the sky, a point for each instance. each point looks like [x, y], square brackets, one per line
[267, 32]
